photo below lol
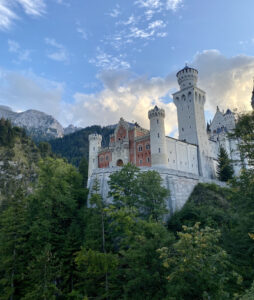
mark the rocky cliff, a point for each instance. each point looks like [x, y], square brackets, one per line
[19, 157]
[38, 125]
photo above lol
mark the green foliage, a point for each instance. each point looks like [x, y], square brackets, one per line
[83, 170]
[8, 133]
[244, 132]
[54, 247]
[198, 268]
[75, 146]
[141, 190]
[225, 170]
[140, 271]
[45, 149]
[13, 238]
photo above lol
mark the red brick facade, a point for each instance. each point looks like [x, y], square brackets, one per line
[138, 145]
[104, 159]
[143, 153]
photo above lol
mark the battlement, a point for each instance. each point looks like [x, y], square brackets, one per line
[187, 77]
[156, 112]
[94, 137]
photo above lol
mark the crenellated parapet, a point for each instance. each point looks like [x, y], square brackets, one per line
[156, 112]
[187, 77]
[94, 137]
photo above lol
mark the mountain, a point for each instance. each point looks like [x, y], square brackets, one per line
[38, 125]
[75, 146]
[71, 129]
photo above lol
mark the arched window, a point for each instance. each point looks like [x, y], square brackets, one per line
[183, 97]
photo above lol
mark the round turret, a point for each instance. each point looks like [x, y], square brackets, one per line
[187, 77]
[157, 137]
[94, 146]
[95, 137]
[156, 112]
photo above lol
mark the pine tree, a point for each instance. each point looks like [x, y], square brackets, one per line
[225, 169]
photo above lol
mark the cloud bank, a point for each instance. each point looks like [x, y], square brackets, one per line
[227, 82]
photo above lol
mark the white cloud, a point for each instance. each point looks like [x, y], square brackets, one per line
[115, 12]
[59, 53]
[127, 96]
[8, 8]
[109, 62]
[33, 7]
[22, 54]
[173, 4]
[157, 24]
[227, 81]
[24, 90]
[82, 32]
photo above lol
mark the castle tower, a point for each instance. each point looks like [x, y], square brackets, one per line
[157, 137]
[94, 146]
[190, 102]
[252, 98]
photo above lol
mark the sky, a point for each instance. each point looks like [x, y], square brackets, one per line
[89, 62]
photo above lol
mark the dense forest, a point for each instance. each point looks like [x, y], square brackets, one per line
[55, 246]
[75, 146]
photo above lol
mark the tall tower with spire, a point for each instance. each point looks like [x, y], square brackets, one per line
[252, 98]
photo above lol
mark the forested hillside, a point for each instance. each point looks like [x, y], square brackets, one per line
[18, 160]
[54, 246]
[75, 146]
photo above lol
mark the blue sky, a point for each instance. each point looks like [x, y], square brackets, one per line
[93, 61]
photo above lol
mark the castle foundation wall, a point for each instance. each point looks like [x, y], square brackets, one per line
[180, 184]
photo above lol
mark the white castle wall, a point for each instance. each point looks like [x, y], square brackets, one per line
[182, 156]
[180, 184]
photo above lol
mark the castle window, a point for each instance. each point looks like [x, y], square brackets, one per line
[157, 121]
[159, 150]
[147, 146]
[106, 157]
[182, 129]
[140, 148]
[101, 158]
[148, 159]
[141, 161]
[158, 135]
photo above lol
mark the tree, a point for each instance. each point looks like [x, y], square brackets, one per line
[151, 195]
[140, 190]
[225, 170]
[140, 273]
[197, 267]
[244, 132]
[123, 186]
[13, 247]
[83, 170]
[56, 222]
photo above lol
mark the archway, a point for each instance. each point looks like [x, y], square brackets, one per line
[119, 163]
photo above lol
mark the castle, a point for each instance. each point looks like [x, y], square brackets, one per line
[183, 162]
